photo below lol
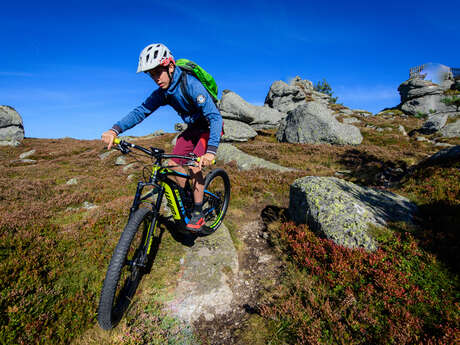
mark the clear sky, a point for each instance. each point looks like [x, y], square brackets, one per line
[69, 67]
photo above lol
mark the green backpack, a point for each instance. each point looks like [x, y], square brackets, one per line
[198, 72]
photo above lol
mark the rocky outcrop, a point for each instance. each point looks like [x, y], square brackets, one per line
[237, 131]
[228, 153]
[233, 107]
[11, 126]
[451, 130]
[342, 211]
[180, 127]
[424, 96]
[313, 123]
[434, 123]
[204, 288]
[286, 97]
[444, 157]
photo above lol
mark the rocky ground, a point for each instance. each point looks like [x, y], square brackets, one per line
[258, 269]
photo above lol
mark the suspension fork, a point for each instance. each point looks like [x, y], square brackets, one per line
[136, 201]
[138, 198]
[154, 221]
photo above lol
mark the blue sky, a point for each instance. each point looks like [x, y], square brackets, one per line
[69, 68]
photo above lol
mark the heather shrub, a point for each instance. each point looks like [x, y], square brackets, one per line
[334, 295]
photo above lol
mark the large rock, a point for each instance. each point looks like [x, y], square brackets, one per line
[445, 157]
[204, 288]
[237, 131]
[286, 97]
[451, 130]
[314, 123]
[233, 107]
[11, 126]
[342, 211]
[423, 96]
[434, 123]
[228, 153]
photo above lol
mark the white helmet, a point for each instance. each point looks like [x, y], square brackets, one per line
[154, 55]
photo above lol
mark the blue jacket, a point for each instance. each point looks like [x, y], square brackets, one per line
[204, 107]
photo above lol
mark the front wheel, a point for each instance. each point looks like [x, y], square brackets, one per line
[128, 264]
[216, 198]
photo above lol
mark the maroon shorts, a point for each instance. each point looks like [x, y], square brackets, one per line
[191, 140]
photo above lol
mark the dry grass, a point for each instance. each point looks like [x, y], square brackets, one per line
[54, 258]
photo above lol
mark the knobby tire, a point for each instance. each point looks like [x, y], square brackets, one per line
[220, 177]
[112, 307]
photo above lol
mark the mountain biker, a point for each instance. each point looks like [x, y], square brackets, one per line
[204, 120]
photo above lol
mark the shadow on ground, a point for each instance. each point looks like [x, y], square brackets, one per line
[440, 235]
[371, 170]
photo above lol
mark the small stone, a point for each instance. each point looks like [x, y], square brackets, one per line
[158, 133]
[26, 154]
[88, 206]
[264, 258]
[421, 139]
[443, 145]
[379, 129]
[104, 155]
[121, 161]
[129, 166]
[402, 130]
[72, 181]
[28, 161]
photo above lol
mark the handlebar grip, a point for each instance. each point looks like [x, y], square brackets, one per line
[116, 141]
[213, 161]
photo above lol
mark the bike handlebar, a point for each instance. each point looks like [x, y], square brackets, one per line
[154, 152]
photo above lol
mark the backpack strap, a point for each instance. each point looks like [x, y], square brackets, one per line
[183, 87]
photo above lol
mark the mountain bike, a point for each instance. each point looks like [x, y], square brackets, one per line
[134, 254]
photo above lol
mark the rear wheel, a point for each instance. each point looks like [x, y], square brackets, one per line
[126, 268]
[216, 198]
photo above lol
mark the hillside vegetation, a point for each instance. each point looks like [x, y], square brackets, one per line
[54, 252]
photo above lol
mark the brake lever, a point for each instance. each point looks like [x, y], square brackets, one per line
[123, 149]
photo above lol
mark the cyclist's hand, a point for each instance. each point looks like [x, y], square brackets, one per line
[108, 137]
[206, 160]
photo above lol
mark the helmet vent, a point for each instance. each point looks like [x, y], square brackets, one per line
[154, 55]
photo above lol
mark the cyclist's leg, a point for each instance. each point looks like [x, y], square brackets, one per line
[197, 184]
[185, 144]
[196, 173]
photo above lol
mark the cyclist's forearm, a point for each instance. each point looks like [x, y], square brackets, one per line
[136, 116]
[215, 129]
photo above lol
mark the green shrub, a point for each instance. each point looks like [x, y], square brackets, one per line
[421, 115]
[324, 87]
[454, 100]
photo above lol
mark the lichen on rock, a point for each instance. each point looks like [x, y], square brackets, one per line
[343, 211]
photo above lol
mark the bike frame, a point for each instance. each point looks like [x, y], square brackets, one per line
[162, 185]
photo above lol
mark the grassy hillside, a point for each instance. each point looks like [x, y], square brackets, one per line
[54, 253]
